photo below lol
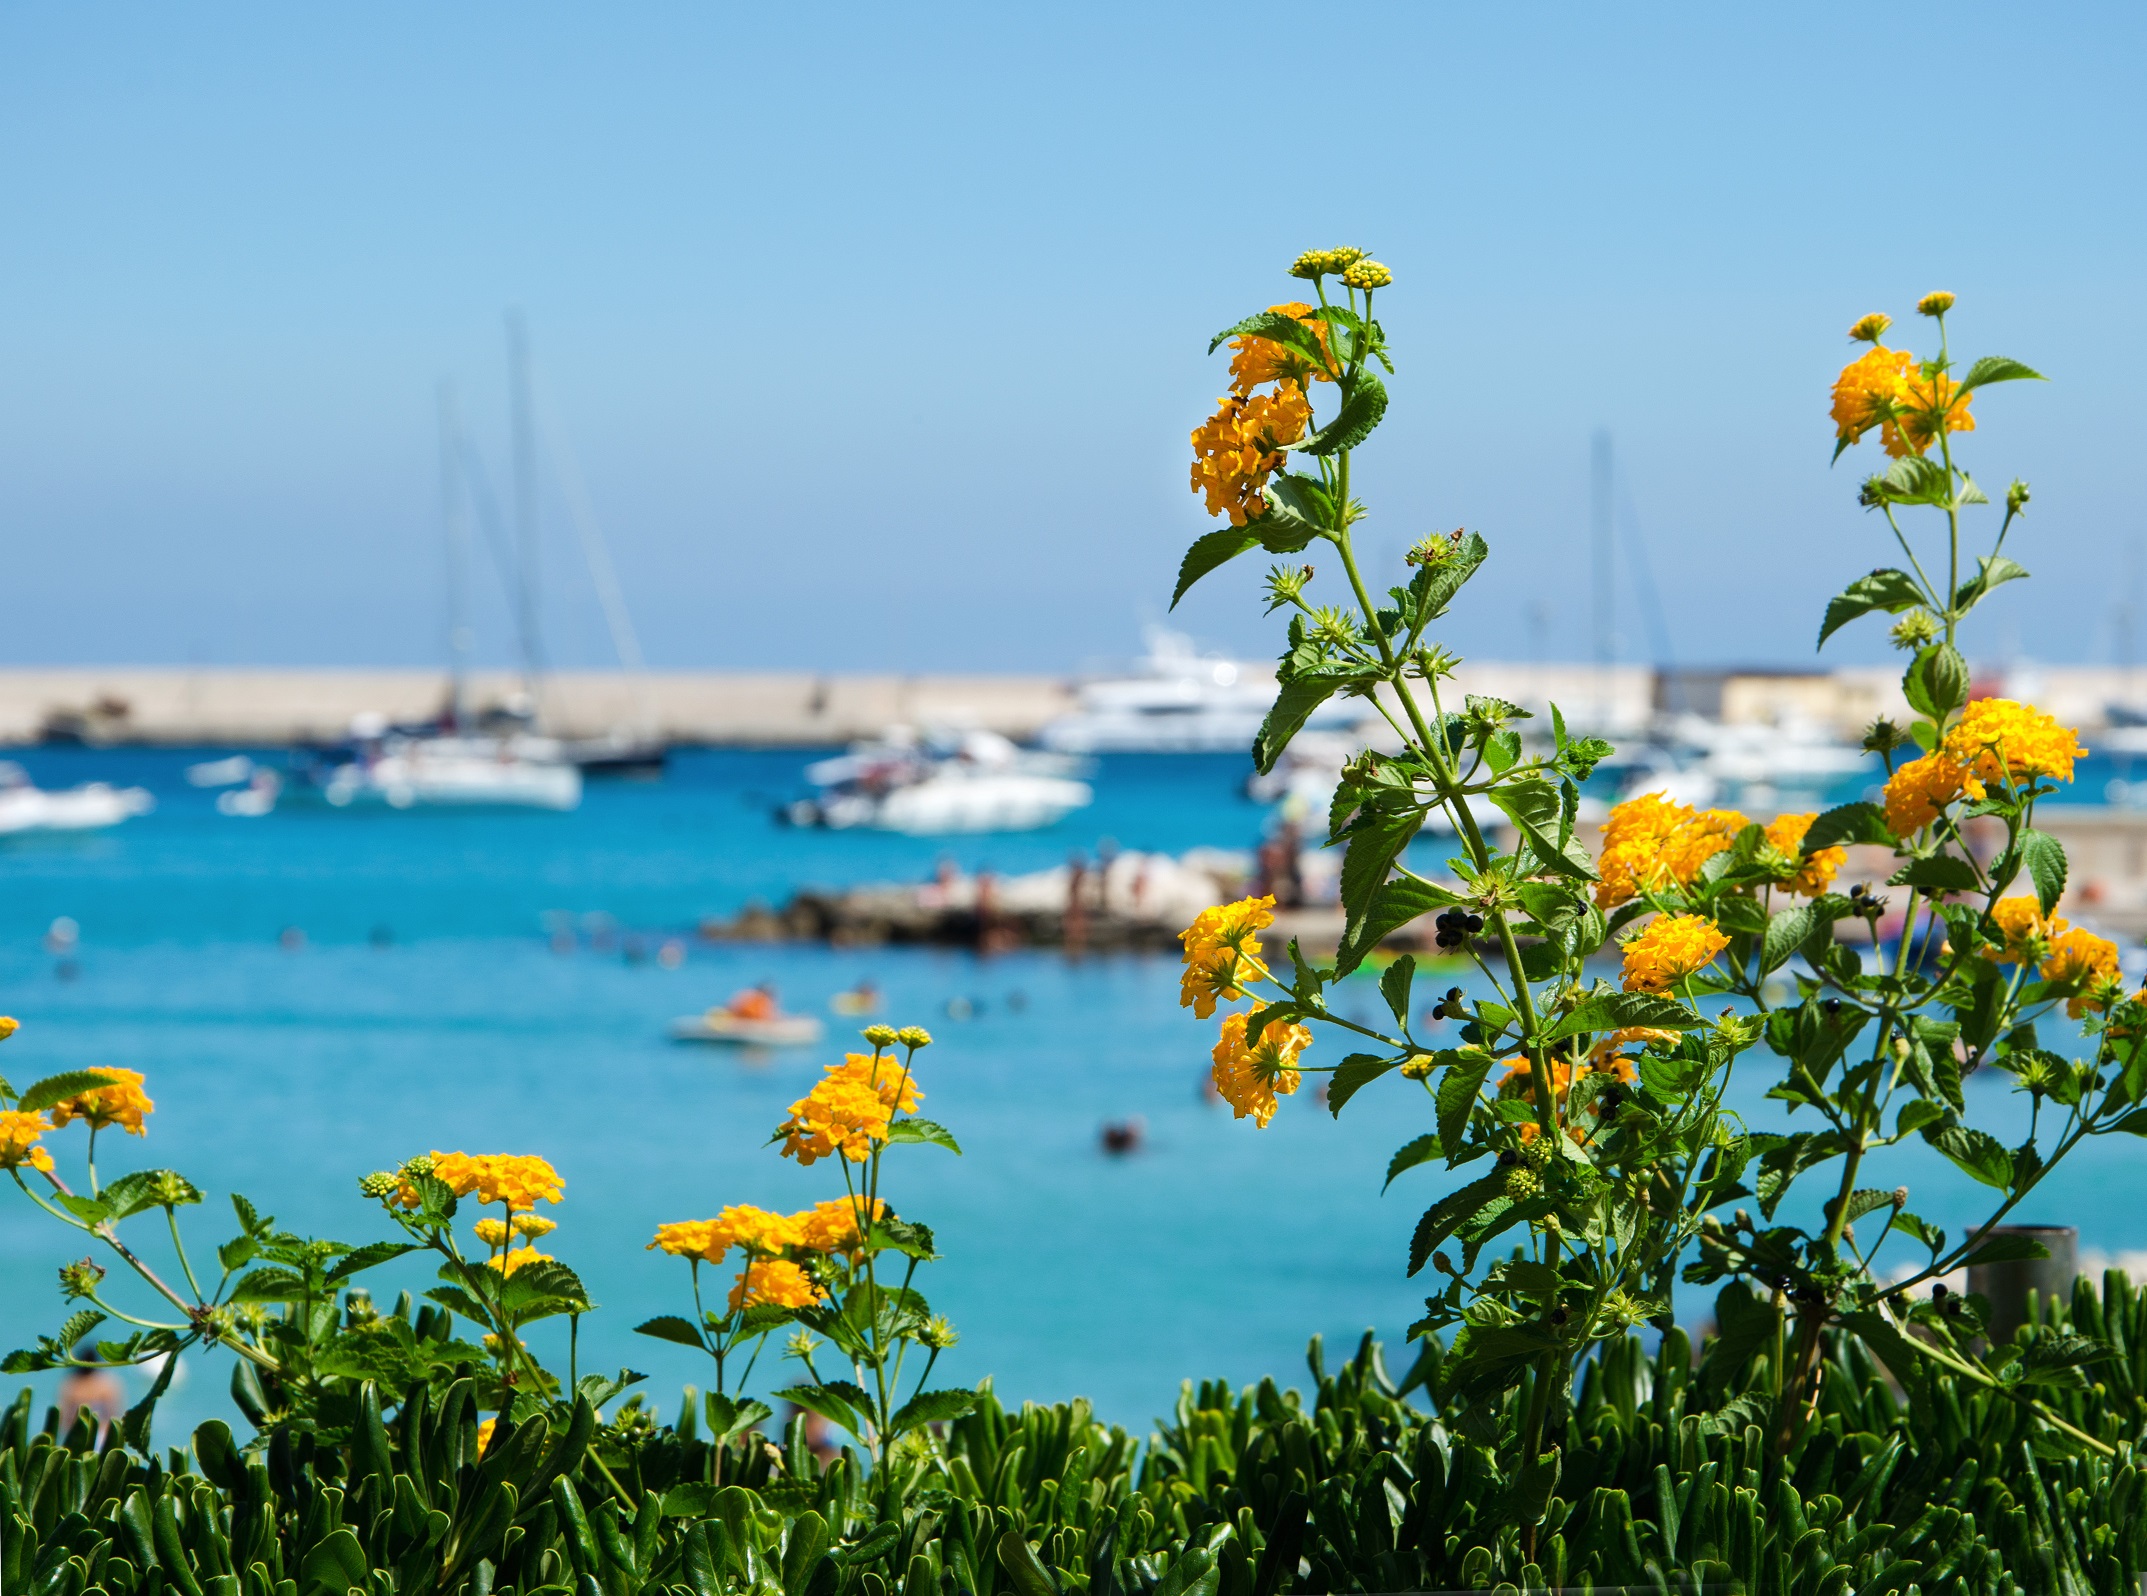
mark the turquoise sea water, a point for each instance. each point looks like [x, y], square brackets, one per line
[427, 1006]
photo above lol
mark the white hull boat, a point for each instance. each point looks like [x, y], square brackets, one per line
[720, 1025]
[976, 782]
[1179, 702]
[415, 775]
[27, 811]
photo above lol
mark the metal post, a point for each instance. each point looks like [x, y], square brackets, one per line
[2008, 1285]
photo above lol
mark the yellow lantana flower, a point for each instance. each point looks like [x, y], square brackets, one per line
[2027, 934]
[19, 1132]
[1919, 791]
[1252, 1078]
[1869, 391]
[833, 1226]
[775, 1282]
[1996, 737]
[1216, 944]
[1652, 842]
[1255, 362]
[492, 1232]
[123, 1103]
[2081, 960]
[1238, 448]
[849, 1110]
[1672, 947]
[519, 1180]
[508, 1262]
[1814, 875]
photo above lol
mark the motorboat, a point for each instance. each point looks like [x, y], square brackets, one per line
[1179, 701]
[1758, 767]
[971, 781]
[721, 1025]
[27, 809]
[403, 772]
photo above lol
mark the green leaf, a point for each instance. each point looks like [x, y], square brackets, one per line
[1030, 1577]
[1353, 423]
[370, 1256]
[1936, 681]
[1991, 570]
[839, 1402]
[1377, 837]
[1888, 590]
[147, 1188]
[1846, 826]
[931, 1407]
[1978, 1153]
[1613, 1011]
[1537, 810]
[1942, 871]
[670, 1327]
[272, 1285]
[923, 1130]
[1419, 1150]
[1294, 704]
[1434, 586]
[337, 1563]
[1443, 1217]
[1394, 984]
[1389, 908]
[1997, 368]
[58, 1088]
[1211, 552]
[2006, 1249]
[1276, 327]
[2044, 857]
[1352, 1075]
[1458, 1089]
[1784, 935]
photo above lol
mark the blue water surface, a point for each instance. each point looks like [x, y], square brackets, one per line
[317, 994]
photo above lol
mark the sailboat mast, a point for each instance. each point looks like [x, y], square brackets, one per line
[1602, 536]
[523, 426]
[457, 533]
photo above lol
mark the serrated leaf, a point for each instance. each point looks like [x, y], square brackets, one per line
[1786, 932]
[146, 1188]
[1276, 327]
[1353, 423]
[1941, 871]
[1446, 1215]
[1352, 1075]
[1376, 839]
[1613, 1011]
[1389, 908]
[1434, 586]
[58, 1088]
[1211, 552]
[370, 1256]
[1537, 811]
[1394, 984]
[670, 1327]
[2006, 1249]
[1991, 571]
[1846, 826]
[271, 1285]
[923, 1130]
[1458, 1090]
[1998, 368]
[2043, 856]
[931, 1407]
[1294, 703]
[1418, 1150]
[1978, 1153]
[1888, 590]
[839, 1402]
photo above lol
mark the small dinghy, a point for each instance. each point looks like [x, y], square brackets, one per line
[720, 1025]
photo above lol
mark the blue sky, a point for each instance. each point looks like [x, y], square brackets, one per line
[878, 331]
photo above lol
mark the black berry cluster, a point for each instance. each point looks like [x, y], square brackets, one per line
[1456, 927]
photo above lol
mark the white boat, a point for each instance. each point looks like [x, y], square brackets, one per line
[1759, 767]
[235, 771]
[721, 1025]
[26, 809]
[971, 782]
[1178, 701]
[443, 772]
[255, 799]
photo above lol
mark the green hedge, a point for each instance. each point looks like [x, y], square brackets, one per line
[1668, 1481]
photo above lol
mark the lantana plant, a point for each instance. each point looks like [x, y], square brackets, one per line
[1623, 1172]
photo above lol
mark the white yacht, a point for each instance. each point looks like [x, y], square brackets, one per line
[405, 772]
[948, 782]
[1757, 767]
[26, 809]
[1178, 701]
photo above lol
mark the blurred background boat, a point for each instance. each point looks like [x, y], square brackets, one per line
[26, 808]
[970, 781]
[1178, 701]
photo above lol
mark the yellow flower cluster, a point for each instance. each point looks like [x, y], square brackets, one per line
[777, 1283]
[494, 1232]
[2062, 952]
[1252, 1077]
[1215, 943]
[848, 1111]
[123, 1103]
[1325, 262]
[1785, 834]
[1367, 275]
[1888, 389]
[1255, 362]
[1238, 448]
[1997, 737]
[1672, 947]
[837, 1225]
[508, 1262]
[1519, 1080]
[520, 1180]
[1652, 842]
[1919, 791]
[18, 1140]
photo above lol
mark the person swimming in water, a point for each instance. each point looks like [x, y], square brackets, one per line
[754, 1003]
